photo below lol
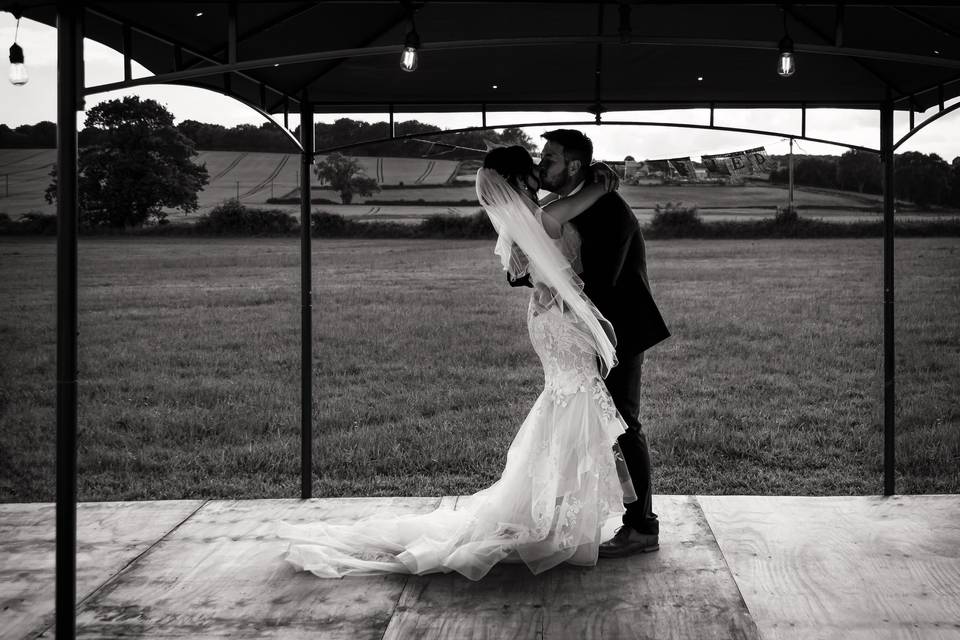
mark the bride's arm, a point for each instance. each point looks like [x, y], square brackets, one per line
[561, 210]
[564, 209]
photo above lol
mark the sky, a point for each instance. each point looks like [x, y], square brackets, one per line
[36, 101]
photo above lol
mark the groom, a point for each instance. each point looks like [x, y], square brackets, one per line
[615, 279]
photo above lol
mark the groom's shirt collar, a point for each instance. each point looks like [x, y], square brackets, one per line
[575, 189]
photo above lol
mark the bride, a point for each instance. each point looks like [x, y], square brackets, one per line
[561, 481]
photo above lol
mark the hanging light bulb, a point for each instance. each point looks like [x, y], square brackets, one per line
[411, 55]
[786, 65]
[18, 70]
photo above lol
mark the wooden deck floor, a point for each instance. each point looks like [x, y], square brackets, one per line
[729, 567]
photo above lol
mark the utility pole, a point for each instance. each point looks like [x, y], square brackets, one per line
[790, 173]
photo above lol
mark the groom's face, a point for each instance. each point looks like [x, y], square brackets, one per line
[555, 171]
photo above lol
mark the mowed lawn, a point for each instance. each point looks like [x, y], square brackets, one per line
[189, 367]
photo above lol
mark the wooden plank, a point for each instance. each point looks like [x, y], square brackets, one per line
[505, 604]
[221, 575]
[866, 568]
[109, 536]
[682, 591]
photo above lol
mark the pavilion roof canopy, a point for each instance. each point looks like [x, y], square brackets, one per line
[539, 56]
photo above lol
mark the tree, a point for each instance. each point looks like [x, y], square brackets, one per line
[921, 178]
[517, 136]
[860, 172]
[140, 164]
[811, 171]
[27, 136]
[954, 198]
[346, 176]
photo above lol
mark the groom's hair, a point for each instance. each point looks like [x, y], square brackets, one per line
[576, 145]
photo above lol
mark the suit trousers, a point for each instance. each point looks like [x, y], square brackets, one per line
[623, 383]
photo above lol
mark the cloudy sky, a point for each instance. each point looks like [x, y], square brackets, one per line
[36, 101]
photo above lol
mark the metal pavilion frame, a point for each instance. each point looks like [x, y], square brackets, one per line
[70, 93]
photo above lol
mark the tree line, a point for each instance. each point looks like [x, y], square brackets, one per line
[269, 138]
[134, 163]
[924, 179]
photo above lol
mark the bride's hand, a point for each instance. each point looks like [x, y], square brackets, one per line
[605, 175]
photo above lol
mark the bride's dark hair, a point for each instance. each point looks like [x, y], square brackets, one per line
[514, 163]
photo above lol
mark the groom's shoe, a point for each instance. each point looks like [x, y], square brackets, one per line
[627, 541]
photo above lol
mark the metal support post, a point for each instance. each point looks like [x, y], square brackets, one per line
[889, 397]
[306, 302]
[69, 98]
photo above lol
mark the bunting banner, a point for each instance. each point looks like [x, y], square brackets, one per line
[758, 159]
[681, 167]
[663, 166]
[684, 167]
[738, 163]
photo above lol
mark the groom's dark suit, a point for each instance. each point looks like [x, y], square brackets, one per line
[615, 274]
[615, 279]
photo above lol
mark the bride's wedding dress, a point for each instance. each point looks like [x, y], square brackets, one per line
[560, 484]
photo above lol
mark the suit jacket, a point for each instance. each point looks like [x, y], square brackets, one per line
[615, 274]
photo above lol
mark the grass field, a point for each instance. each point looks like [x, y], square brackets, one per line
[189, 367]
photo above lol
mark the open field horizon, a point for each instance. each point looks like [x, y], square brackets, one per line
[189, 367]
[255, 177]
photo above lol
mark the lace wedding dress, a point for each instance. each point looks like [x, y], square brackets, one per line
[561, 482]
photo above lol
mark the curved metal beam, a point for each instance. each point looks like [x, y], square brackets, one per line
[257, 30]
[584, 123]
[933, 87]
[290, 136]
[318, 56]
[923, 124]
[150, 33]
[927, 22]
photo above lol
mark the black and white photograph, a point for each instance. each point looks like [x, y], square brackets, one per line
[457, 319]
